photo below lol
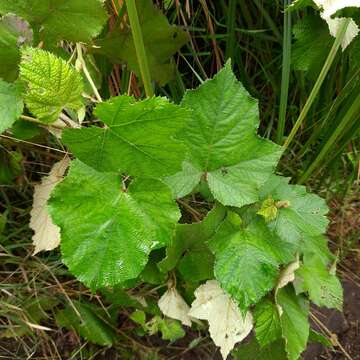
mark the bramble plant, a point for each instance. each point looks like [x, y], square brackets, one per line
[162, 195]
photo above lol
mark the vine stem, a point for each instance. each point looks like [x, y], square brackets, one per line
[314, 92]
[139, 47]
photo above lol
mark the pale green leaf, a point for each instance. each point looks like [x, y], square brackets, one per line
[161, 41]
[72, 20]
[138, 139]
[323, 287]
[52, 84]
[223, 143]
[294, 321]
[247, 258]
[14, 32]
[267, 322]
[11, 104]
[304, 216]
[112, 229]
[268, 209]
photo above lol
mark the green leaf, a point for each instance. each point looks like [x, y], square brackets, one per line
[312, 45]
[247, 259]
[11, 104]
[191, 236]
[139, 317]
[223, 143]
[14, 32]
[111, 229]
[138, 139]
[52, 84]
[303, 216]
[89, 325]
[267, 322]
[294, 321]
[268, 209]
[72, 20]
[323, 287]
[161, 41]
[171, 330]
[316, 337]
[253, 351]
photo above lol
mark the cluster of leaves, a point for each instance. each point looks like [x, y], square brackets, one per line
[255, 254]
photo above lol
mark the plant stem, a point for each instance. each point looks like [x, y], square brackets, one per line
[353, 111]
[139, 47]
[330, 59]
[285, 78]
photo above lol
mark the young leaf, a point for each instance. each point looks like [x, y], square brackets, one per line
[14, 32]
[140, 133]
[190, 237]
[294, 312]
[174, 306]
[11, 104]
[247, 259]
[47, 234]
[161, 42]
[268, 209]
[112, 229]
[323, 287]
[223, 143]
[75, 20]
[304, 216]
[88, 325]
[52, 84]
[226, 324]
[267, 322]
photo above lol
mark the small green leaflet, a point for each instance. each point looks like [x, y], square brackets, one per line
[304, 216]
[161, 42]
[72, 20]
[294, 321]
[189, 237]
[223, 143]
[268, 209]
[267, 322]
[323, 287]
[111, 229]
[52, 84]
[14, 32]
[138, 139]
[88, 324]
[11, 104]
[247, 259]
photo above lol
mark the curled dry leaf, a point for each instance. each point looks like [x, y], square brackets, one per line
[329, 8]
[226, 324]
[174, 306]
[288, 274]
[47, 234]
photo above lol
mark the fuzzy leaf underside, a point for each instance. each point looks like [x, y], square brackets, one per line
[11, 104]
[247, 259]
[138, 139]
[72, 20]
[161, 41]
[223, 143]
[112, 230]
[52, 84]
[14, 32]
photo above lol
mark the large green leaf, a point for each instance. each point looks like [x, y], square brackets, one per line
[300, 216]
[14, 32]
[107, 233]
[294, 321]
[223, 143]
[247, 258]
[72, 20]
[323, 287]
[191, 237]
[267, 322]
[52, 84]
[138, 139]
[11, 104]
[161, 42]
